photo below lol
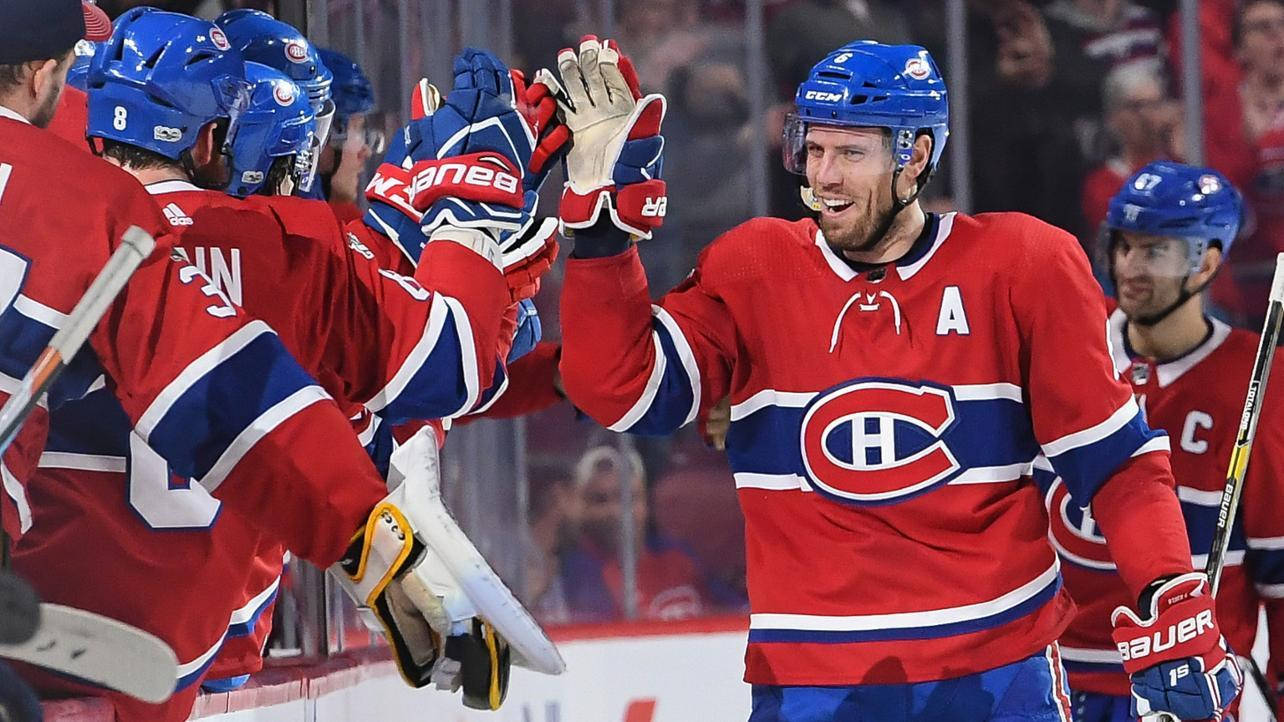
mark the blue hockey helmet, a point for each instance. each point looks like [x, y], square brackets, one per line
[352, 91]
[262, 38]
[871, 85]
[279, 122]
[161, 78]
[78, 73]
[1197, 205]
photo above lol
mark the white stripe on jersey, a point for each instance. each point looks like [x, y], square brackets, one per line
[643, 404]
[685, 355]
[1091, 656]
[1268, 543]
[771, 397]
[265, 424]
[908, 620]
[83, 462]
[37, 311]
[416, 358]
[14, 489]
[1095, 433]
[771, 482]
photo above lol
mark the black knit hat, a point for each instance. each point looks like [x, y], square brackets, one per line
[39, 29]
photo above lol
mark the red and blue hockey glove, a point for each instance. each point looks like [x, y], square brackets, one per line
[1176, 657]
[474, 143]
[616, 154]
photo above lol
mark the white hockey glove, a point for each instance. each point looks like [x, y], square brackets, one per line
[616, 153]
[448, 617]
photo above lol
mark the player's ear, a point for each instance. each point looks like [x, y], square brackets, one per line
[917, 165]
[203, 151]
[46, 74]
[1212, 261]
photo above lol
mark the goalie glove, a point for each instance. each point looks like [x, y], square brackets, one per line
[449, 619]
[1176, 657]
[616, 153]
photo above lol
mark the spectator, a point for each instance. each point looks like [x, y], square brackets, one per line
[668, 579]
[660, 36]
[550, 512]
[1143, 123]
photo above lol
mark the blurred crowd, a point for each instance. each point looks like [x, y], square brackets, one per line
[1066, 99]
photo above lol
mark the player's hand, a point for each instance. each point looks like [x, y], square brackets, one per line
[538, 107]
[478, 122]
[615, 159]
[1176, 657]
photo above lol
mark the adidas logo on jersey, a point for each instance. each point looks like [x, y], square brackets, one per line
[176, 216]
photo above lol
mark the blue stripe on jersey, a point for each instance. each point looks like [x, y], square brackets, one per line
[672, 404]
[21, 341]
[437, 389]
[500, 382]
[1201, 523]
[95, 424]
[1029, 606]
[1265, 566]
[989, 432]
[240, 387]
[1086, 468]
[1092, 666]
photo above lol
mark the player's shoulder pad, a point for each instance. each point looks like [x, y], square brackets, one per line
[753, 249]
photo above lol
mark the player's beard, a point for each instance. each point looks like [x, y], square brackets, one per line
[862, 233]
[48, 106]
[1144, 298]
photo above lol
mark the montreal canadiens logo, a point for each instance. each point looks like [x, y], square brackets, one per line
[918, 68]
[296, 51]
[1073, 532]
[283, 93]
[219, 39]
[878, 441]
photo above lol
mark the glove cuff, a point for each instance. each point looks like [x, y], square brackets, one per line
[475, 240]
[637, 208]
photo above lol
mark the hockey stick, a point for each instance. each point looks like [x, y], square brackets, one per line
[1239, 462]
[99, 650]
[89, 646]
[135, 246]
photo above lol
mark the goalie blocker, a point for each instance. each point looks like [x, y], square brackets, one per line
[449, 618]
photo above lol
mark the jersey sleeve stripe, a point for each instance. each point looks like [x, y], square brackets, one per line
[1086, 466]
[200, 367]
[259, 428]
[469, 353]
[244, 620]
[1159, 443]
[644, 402]
[415, 359]
[1091, 656]
[1093, 434]
[685, 355]
[770, 482]
[13, 488]
[1274, 543]
[496, 390]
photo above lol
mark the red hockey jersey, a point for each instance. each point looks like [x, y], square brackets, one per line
[884, 425]
[1197, 399]
[189, 403]
[371, 337]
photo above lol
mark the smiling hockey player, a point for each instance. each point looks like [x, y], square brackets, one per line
[893, 376]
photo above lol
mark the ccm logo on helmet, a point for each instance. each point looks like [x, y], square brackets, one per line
[1165, 639]
[822, 96]
[878, 441]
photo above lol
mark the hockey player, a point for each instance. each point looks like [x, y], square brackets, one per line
[177, 370]
[893, 376]
[1169, 229]
[372, 338]
[353, 137]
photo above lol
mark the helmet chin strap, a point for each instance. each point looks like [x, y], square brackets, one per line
[1182, 297]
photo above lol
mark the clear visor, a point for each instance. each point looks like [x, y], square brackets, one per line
[1139, 257]
[233, 96]
[344, 139]
[833, 151]
[325, 120]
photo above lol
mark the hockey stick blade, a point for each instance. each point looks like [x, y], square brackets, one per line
[135, 247]
[99, 650]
